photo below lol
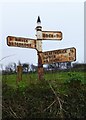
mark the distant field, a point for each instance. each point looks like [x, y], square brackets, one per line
[52, 77]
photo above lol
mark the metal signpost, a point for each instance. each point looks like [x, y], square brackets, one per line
[51, 35]
[21, 42]
[63, 55]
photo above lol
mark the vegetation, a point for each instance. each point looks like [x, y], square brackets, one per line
[60, 95]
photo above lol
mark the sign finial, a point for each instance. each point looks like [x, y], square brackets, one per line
[38, 20]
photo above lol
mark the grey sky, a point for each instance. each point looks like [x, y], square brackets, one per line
[19, 19]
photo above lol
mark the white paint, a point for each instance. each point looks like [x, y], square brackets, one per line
[39, 45]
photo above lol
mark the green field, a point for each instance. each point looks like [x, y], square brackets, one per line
[52, 77]
[60, 95]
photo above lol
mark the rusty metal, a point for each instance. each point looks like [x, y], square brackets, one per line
[62, 55]
[19, 73]
[21, 42]
[40, 68]
[40, 73]
[51, 35]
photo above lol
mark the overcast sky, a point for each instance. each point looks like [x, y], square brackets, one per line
[19, 19]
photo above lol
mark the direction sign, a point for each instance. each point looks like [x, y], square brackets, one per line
[51, 35]
[21, 42]
[62, 55]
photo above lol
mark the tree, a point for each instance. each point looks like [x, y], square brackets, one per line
[11, 67]
[68, 64]
[54, 66]
[33, 68]
[25, 67]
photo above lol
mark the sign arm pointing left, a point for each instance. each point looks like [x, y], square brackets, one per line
[21, 42]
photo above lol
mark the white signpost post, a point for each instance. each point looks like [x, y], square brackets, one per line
[63, 55]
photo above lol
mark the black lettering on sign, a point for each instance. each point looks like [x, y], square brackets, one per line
[54, 56]
[72, 50]
[46, 60]
[11, 38]
[57, 35]
[16, 44]
[70, 58]
[16, 39]
[9, 43]
[44, 35]
[50, 35]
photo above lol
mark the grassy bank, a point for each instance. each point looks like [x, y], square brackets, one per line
[60, 95]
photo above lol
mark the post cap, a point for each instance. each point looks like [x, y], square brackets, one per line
[38, 20]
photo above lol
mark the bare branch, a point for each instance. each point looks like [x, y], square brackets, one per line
[13, 113]
[59, 101]
[56, 96]
[49, 106]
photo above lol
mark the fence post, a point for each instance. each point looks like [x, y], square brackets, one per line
[19, 73]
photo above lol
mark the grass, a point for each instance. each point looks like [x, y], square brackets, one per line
[62, 77]
[56, 79]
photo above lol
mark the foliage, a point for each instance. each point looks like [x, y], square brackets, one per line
[74, 77]
[25, 67]
[51, 98]
[10, 68]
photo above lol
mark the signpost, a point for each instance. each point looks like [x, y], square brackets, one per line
[39, 49]
[51, 35]
[21, 42]
[62, 55]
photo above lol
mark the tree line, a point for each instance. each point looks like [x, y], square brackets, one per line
[26, 67]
